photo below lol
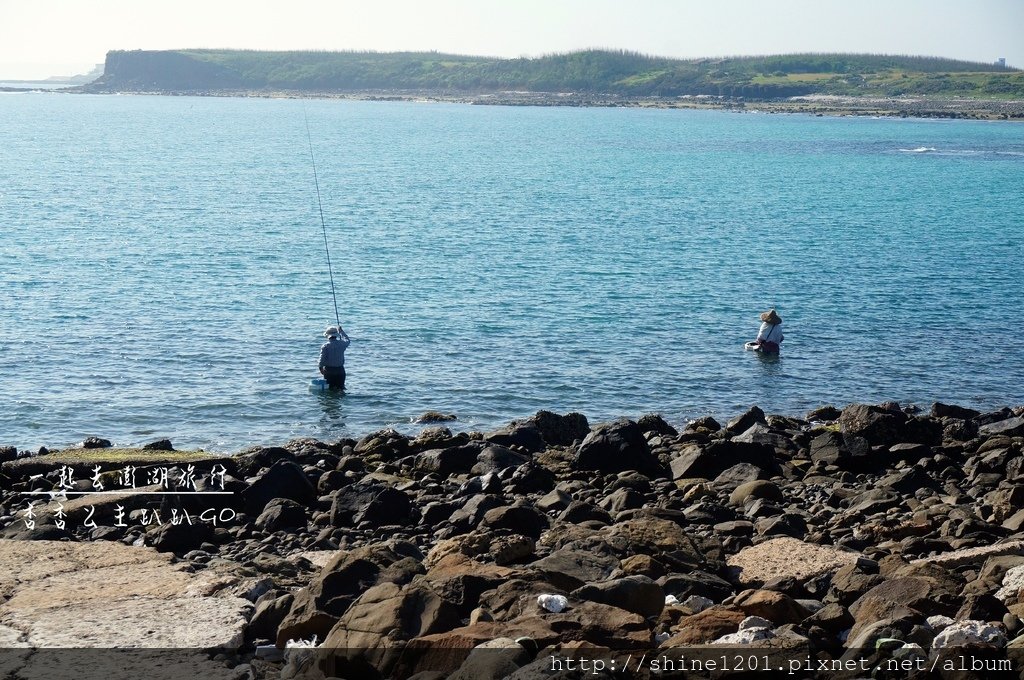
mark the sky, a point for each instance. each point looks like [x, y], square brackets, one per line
[41, 38]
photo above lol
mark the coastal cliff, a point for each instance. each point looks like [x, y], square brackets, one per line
[611, 73]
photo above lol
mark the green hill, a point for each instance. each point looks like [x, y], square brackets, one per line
[592, 71]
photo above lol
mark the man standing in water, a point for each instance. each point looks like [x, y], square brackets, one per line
[332, 357]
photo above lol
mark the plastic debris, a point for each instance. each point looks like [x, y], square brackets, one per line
[671, 600]
[556, 604]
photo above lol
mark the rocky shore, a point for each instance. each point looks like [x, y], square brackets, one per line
[920, 106]
[874, 541]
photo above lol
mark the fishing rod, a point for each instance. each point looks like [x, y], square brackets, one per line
[323, 222]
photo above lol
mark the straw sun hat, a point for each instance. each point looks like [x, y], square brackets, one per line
[771, 317]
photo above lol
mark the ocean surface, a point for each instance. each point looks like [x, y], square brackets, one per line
[162, 265]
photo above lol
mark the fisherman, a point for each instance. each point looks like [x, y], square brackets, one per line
[769, 336]
[332, 357]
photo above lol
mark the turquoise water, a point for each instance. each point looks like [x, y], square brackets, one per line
[163, 272]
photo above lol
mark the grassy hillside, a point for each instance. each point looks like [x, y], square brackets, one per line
[591, 71]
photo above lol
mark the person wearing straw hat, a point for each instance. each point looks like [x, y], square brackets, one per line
[332, 357]
[769, 336]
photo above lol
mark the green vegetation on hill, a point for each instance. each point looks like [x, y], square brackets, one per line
[591, 71]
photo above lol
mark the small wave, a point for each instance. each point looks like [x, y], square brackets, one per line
[920, 149]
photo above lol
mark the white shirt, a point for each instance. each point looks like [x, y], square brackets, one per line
[770, 333]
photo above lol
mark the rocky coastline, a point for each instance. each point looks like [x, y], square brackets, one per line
[917, 106]
[876, 540]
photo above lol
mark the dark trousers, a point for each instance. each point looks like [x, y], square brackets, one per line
[335, 376]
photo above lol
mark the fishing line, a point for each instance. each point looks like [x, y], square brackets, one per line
[323, 222]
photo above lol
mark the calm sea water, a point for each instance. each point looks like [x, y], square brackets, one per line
[162, 269]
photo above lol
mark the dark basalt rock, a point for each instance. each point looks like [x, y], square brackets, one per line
[159, 445]
[594, 515]
[496, 458]
[517, 519]
[96, 443]
[616, 447]
[388, 507]
[652, 422]
[1010, 427]
[436, 417]
[282, 513]
[637, 594]
[703, 424]
[745, 421]
[386, 444]
[940, 410]
[560, 430]
[179, 538]
[449, 461]
[524, 435]
[283, 479]
[718, 456]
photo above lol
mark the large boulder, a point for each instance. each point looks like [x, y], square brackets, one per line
[367, 640]
[448, 461]
[318, 606]
[560, 430]
[655, 537]
[787, 558]
[876, 424]
[519, 519]
[571, 568]
[284, 479]
[495, 458]
[1010, 427]
[179, 538]
[637, 594]
[525, 435]
[388, 507]
[616, 447]
[282, 513]
[940, 410]
[745, 421]
[352, 504]
[386, 444]
[716, 457]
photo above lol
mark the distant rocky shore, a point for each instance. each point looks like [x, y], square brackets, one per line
[872, 537]
[826, 105]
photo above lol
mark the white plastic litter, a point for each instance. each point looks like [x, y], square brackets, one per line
[556, 604]
[671, 600]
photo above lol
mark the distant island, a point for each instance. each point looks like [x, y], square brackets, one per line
[590, 77]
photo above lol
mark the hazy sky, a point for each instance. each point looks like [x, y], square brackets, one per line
[40, 38]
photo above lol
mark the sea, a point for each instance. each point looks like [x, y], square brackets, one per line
[163, 269]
